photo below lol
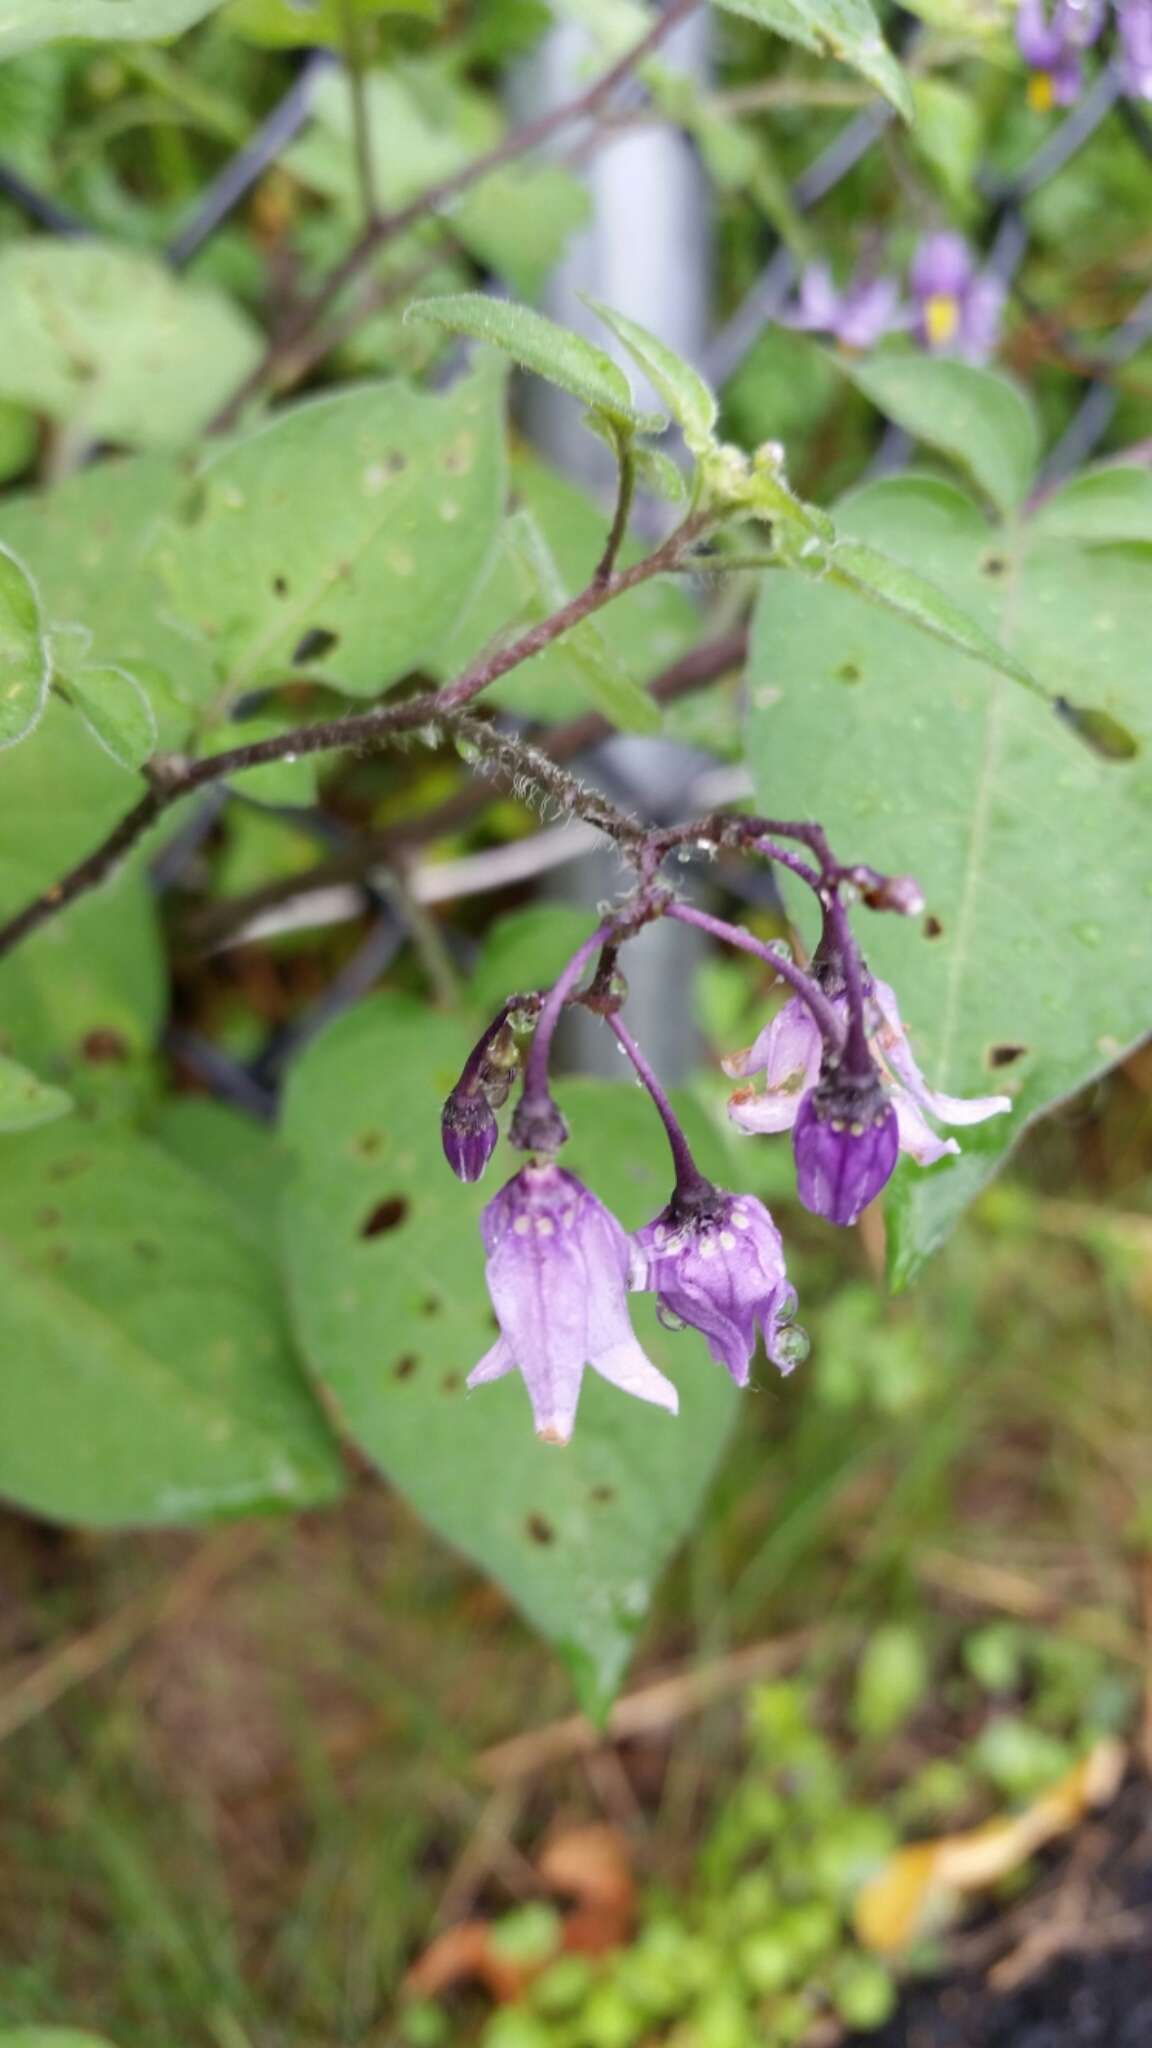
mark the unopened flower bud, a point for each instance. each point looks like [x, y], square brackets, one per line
[537, 1125]
[468, 1131]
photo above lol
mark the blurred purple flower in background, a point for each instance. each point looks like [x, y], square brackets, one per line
[559, 1270]
[1134, 21]
[857, 317]
[1052, 39]
[717, 1263]
[959, 309]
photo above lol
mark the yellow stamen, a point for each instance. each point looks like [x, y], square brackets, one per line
[941, 318]
[1041, 92]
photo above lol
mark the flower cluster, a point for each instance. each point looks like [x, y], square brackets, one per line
[837, 1070]
[953, 308]
[1053, 35]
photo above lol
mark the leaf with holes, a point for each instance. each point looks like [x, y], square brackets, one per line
[1030, 972]
[383, 1257]
[980, 419]
[108, 341]
[25, 653]
[846, 29]
[26, 23]
[538, 344]
[165, 1387]
[25, 1101]
[873, 574]
[332, 543]
[93, 975]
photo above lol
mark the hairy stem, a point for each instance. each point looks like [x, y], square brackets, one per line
[174, 777]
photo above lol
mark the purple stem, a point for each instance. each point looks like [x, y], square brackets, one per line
[858, 1060]
[689, 1179]
[536, 1065]
[735, 935]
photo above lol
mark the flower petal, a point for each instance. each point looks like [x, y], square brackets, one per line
[753, 1113]
[628, 1367]
[493, 1365]
[891, 1042]
[787, 1052]
[917, 1137]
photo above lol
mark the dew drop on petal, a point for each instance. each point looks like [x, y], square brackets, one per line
[668, 1318]
[790, 1347]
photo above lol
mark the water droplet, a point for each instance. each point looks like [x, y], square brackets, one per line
[789, 1303]
[668, 1317]
[790, 1347]
[780, 948]
[683, 855]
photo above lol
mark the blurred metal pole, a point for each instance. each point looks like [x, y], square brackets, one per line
[646, 251]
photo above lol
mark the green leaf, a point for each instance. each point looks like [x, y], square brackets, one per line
[978, 418]
[948, 134]
[538, 344]
[117, 710]
[108, 341]
[688, 398]
[386, 1268]
[1101, 505]
[25, 1101]
[19, 439]
[86, 542]
[518, 222]
[25, 652]
[93, 976]
[286, 25]
[845, 29]
[856, 566]
[328, 543]
[649, 626]
[26, 23]
[525, 950]
[589, 651]
[165, 1388]
[1029, 976]
[240, 1160]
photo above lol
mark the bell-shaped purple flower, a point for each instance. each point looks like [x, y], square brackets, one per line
[959, 309]
[1052, 38]
[715, 1261]
[559, 1270]
[857, 317]
[788, 1053]
[846, 1139]
[1134, 23]
[468, 1131]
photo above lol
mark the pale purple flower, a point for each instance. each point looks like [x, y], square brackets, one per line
[559, 1270]
[1134, 22]
[857, 317]
[959, 309]
[1051, 36]
[716, 1262]
[846, 1140]
[789, 1052]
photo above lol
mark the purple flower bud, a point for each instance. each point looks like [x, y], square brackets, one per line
[538, 1125]
[1135, 66]
[846, 1140]
[468, 1131]
[716, 1262]
[559, 1270]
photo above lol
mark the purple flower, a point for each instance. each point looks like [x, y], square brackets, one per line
[1134, 21]
[857, 317]
[559, 1270]
[1051, 40]
[716, 1261]
[959, 309]
[846, 1139]
[468, 1131]
[789, 1051]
